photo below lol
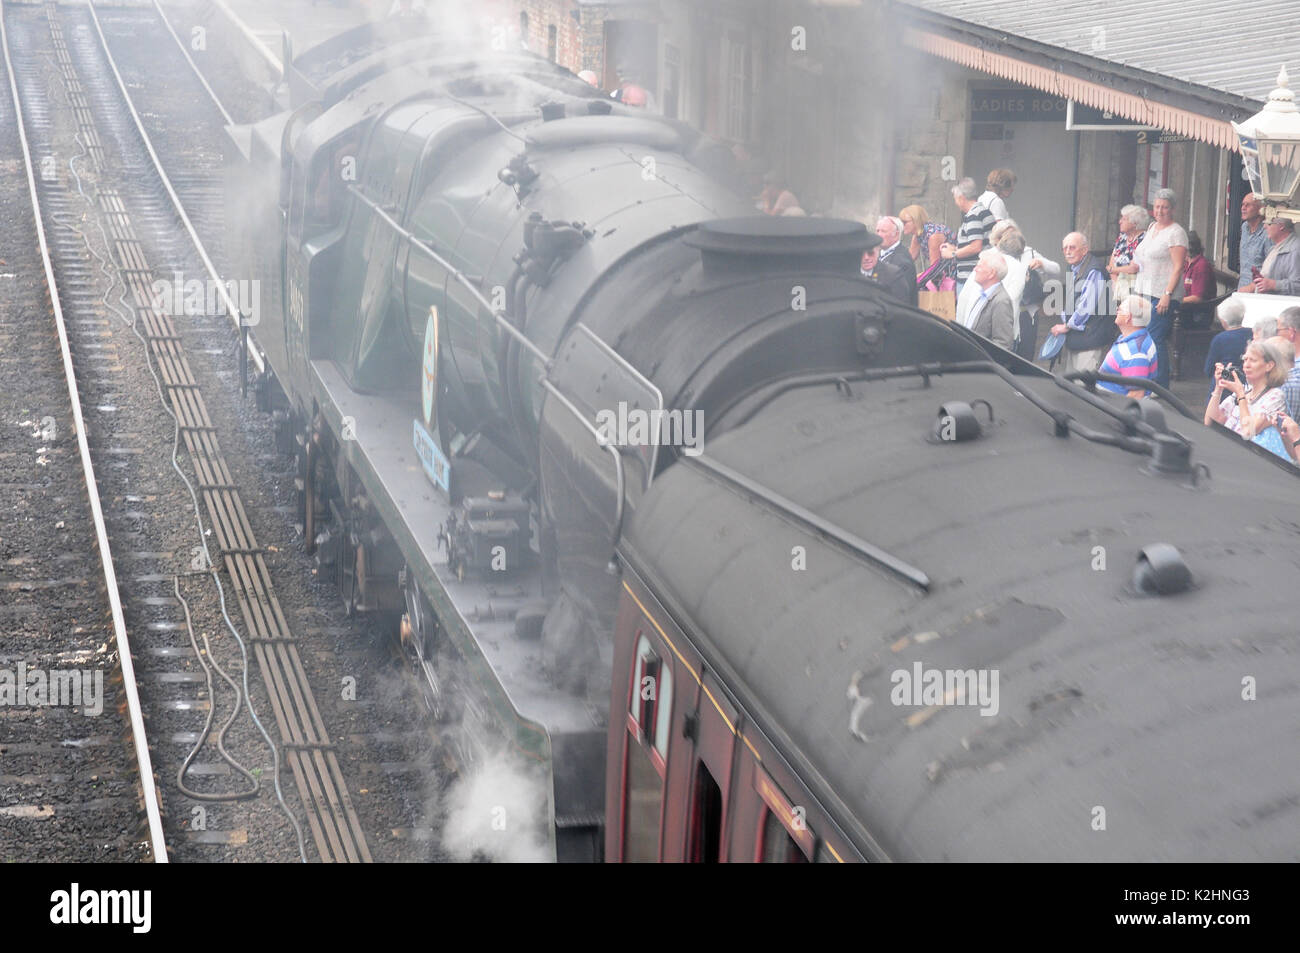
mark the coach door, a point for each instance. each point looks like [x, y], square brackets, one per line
[711, 774]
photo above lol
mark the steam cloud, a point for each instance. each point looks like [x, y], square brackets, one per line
[491, 813]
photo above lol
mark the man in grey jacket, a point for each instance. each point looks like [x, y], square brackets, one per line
[1281, 271]
[991, 314]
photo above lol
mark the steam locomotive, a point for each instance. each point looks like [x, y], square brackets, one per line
[499, 302]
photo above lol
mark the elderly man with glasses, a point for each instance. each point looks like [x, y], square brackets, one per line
[1280, 273]
[1254, 245]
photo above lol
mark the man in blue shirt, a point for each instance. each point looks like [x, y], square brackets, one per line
[1255, 244]
[1088, 325]
[1228, 346]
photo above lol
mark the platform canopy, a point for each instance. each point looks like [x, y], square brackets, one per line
[1180, 65]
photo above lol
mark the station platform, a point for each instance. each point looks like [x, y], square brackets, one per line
[255, 29]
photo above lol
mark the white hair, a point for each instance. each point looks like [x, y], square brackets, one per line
[995, 260]
[1231, 312]
[1139, 310]
[1000, 229]
[1137, 216]
[897, 223]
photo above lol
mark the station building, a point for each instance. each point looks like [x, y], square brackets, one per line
[1094, 105]
[870, 105]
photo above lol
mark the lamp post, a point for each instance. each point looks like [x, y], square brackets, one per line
[1270, 150]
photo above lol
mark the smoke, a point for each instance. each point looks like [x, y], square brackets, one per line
[481, 25]
[492, 812]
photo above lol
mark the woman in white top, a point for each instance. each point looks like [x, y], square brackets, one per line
[1160, 259]
[1001, 183]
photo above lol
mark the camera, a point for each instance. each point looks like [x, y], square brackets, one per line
[1233, 371]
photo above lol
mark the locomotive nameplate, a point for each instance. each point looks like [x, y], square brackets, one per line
[435, 463]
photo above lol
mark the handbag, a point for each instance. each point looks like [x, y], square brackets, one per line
[1035, 293]
[941, 304]
[1271, 439]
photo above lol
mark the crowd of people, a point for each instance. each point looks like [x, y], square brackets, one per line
[1113, 316]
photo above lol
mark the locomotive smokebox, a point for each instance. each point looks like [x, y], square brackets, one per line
[766, 242]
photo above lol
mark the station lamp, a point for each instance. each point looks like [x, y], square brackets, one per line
[1270, 147]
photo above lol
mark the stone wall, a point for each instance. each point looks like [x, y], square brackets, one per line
[930, 129]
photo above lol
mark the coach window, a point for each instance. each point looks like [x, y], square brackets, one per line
[778, 846]
[784, 834]
[649, 710]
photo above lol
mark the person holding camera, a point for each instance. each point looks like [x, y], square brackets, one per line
[1248, 399]
[1229, 345]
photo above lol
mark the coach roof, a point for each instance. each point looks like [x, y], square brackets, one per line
[1108, 699]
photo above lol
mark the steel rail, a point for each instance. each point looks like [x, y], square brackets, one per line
[232, 308]
[194, 66]
[331, 816]
[254, 40]
[139, 739]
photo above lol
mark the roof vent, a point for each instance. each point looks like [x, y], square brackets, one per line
[762, 242]
[1161, 571]
[552, 111]
[957, 422]
[1173, 455]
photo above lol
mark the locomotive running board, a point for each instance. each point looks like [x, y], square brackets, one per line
[545, 726]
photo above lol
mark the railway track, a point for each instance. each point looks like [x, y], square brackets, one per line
[194, 581]
[75, 766]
